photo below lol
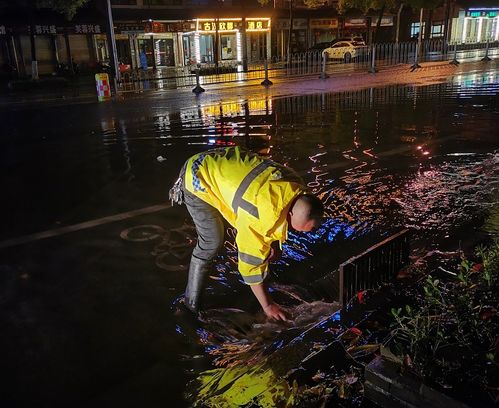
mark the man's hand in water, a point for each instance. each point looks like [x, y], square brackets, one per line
[271, 309]
[276, 312]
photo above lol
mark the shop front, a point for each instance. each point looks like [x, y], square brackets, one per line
[57, 49]
[355, 27]
[258, 39]
[152, 44]
[225, 40]
[359, 27]
[298, 42]
[474, 25]
[324, 30]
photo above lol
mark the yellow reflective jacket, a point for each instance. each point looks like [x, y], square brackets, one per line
[253, 194]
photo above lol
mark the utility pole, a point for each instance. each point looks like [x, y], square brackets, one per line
[112, 39]
[290, 32]
[32, 36]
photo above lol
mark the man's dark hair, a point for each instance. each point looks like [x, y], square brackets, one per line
[315, 204]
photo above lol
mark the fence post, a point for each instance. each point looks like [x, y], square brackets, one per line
[323, 71]
[455, 61]
[486, 58]
[372, 69]
[416, 58]
[266, 81]
[198, 88]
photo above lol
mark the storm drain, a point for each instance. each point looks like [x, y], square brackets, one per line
[378, 264]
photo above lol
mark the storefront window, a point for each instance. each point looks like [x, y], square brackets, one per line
[164, 52]
[123, 49]
[415, 30]
[101, 50]
[228, 43]
[258, 46]
[298, 41]
[206, 45]
[189, 50]
[145, 53]
[437, 31]
[471, 32]
[494, 32]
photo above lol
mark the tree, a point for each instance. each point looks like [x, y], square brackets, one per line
[310, 4]
[66, 7]
[383, 5]
[379, 6]
[422, 5]
[313, 3]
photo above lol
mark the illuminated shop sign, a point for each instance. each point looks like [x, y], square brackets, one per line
[258, 25]
[355, 22]
[223, 25]
[52, 29]
[253, 24]
[45, 29]
[130, 28]
[482, 13]
[87, 29]
[324, 23]
[156, 27]
[298, 24]
[386, 21]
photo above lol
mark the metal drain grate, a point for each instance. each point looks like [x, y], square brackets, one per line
[378, 264]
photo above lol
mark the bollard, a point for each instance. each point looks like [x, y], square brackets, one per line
[416, 58]
[34, 70]
[103, 87]
[372, 69]
[486, 58]
[454, 61]
[323, 71]
[266, 81]
[198, 88]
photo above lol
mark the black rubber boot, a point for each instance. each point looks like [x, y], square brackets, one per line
[198, 271]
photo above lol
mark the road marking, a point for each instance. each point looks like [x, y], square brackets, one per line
[82, 226]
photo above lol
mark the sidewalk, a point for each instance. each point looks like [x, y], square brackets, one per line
[429, 73]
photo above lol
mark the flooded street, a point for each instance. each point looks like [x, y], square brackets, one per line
[89, 286]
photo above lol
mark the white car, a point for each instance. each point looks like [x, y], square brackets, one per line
[345, 50]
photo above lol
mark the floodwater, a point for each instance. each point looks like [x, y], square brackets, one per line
[89, 316]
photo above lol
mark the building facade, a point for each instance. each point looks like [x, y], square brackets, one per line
[152, 34]
[476, 24]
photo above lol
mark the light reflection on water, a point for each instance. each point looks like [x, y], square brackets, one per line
[380, 159]
[367, 154]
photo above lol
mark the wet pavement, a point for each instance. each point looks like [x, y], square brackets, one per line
[93, 258]
[342, 78]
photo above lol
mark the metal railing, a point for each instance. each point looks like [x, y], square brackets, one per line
[306, 64]
[368, 270]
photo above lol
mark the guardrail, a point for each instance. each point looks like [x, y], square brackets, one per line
[378, 264]
[307, 63]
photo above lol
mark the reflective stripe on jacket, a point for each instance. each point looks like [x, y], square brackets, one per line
[253, 194]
